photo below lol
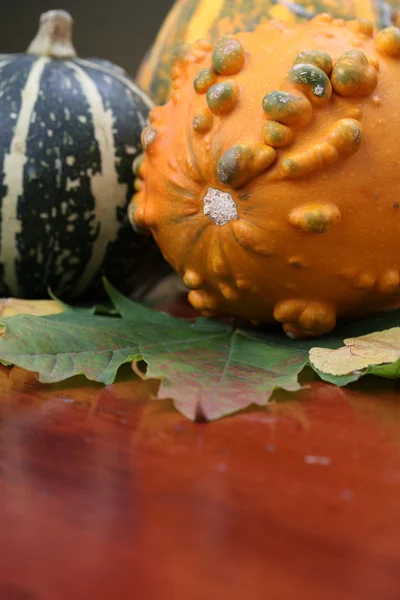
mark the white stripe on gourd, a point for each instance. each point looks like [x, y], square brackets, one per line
[52, 41]
[127, 82]
[13, 169]
[104, 185]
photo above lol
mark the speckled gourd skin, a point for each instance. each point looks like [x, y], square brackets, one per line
[314, 231]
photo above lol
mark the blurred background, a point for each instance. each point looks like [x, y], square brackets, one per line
[118, 30]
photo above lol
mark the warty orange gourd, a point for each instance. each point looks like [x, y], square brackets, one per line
[278, 195]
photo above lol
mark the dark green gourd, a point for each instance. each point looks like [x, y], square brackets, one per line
[69, 132]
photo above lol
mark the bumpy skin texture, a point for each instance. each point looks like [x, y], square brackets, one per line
[191, 20]
[300, 231]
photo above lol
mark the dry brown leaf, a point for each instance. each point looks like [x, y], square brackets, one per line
[358, 353]
[9, 307]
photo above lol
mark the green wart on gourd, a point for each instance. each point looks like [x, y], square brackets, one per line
[277, 135]
[287, 108]
[353, 75]
[228, 56]
[202, 122]
[312, 81]
[342, 139]
[222, 97]
[318, 58]
[388, 42]
[244, 161]
[204, 79]
[314, 218]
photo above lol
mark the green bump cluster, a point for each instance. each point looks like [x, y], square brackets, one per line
[309, 82]
[228, 58]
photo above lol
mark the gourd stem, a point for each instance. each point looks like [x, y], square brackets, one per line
[54, 37]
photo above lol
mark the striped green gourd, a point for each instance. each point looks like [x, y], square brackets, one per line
[69, 132]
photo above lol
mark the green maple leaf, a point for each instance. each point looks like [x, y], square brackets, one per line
[207, 367]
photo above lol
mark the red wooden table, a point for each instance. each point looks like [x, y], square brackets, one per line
[108, 494]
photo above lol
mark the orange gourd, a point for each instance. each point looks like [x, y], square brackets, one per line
[271, 177]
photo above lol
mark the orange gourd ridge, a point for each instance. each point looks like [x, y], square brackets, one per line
[190, 20]
[277, 196]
